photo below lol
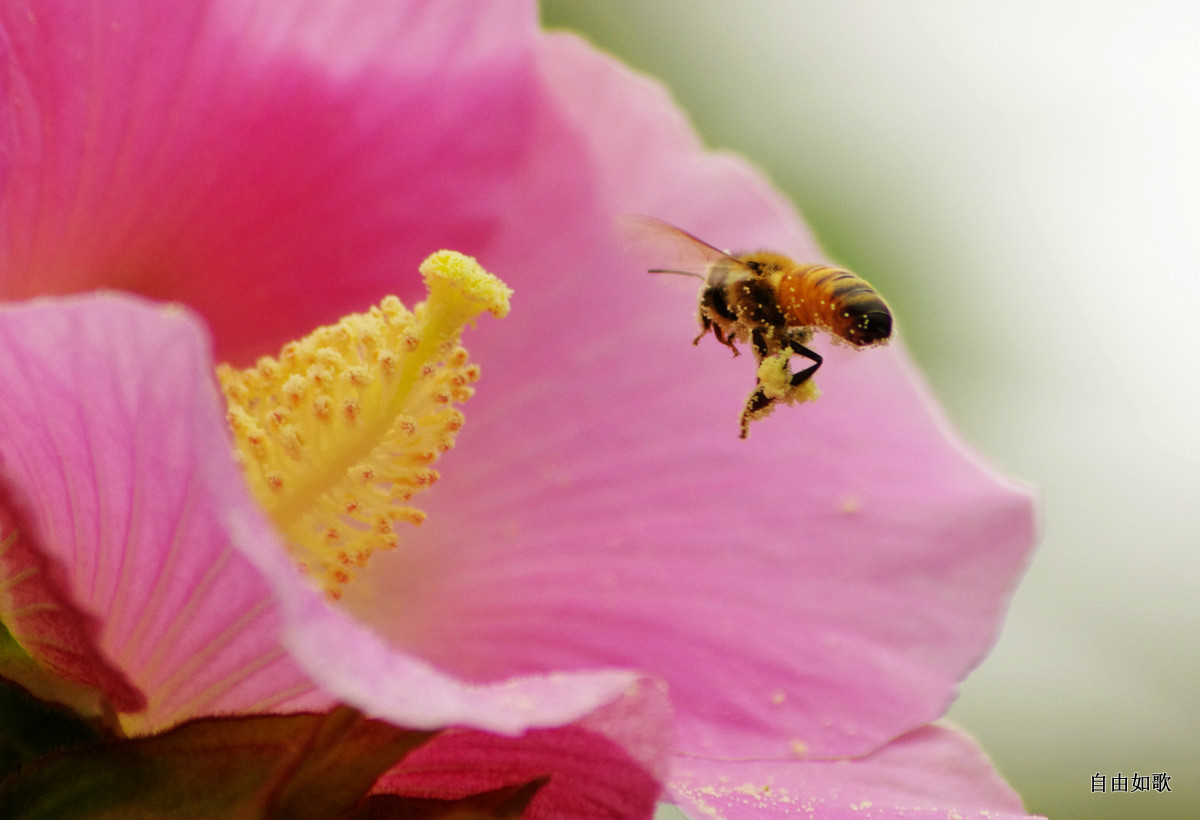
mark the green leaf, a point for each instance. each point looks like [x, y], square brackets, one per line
[31, 728]
[265, 767]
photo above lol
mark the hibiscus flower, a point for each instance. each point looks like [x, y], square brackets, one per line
[599, 540]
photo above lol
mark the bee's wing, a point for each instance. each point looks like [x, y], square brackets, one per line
[667, 248]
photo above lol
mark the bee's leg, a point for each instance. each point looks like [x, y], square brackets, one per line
[757, 406]
[712, 304]
[725, 340]
[705, 326]
[721, 337]
[759, 340]
[807, 373]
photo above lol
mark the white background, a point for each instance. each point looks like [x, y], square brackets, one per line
[1021, 180]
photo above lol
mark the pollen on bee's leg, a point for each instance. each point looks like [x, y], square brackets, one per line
[774, 384]
[758, 406]
[337, 434]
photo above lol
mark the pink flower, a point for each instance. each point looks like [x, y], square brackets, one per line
[813, 594]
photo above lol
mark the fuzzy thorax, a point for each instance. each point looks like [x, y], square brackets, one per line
[337, 434]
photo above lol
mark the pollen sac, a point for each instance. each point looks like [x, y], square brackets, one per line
[775, 383]
[339, 432]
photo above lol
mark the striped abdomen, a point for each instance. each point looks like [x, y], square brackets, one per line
[837, 301]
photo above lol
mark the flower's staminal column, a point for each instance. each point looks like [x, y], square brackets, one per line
[339, 432]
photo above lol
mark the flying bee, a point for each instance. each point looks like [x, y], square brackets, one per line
[769, 301]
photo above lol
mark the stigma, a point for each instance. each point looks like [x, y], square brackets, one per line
[338, 433]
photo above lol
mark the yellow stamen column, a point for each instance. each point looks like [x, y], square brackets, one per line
[339, 432]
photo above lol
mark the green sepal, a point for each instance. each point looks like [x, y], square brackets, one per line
[264, 767]
[18, 666]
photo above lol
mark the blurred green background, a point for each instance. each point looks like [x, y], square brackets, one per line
[1021, 181]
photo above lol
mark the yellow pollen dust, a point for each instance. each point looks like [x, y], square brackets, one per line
[775, 383]
[338, 433]
[775, 380]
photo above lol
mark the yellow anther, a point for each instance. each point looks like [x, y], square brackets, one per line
[388, 362]
[329, 358]
[320, 375]
[291, 441]
[322, 408]
[288, 355]
[267, 369]
[294, 389]
[408, 514]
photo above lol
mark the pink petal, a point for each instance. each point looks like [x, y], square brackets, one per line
[108, 416]
[610, 764]
[932, 772]
[300, 155]
[821, 587]
[116, 449]
[42, 620]
[358, 667]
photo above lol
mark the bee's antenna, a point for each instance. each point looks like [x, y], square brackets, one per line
[680, 272]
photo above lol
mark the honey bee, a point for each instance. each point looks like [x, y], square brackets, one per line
[769, 301]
